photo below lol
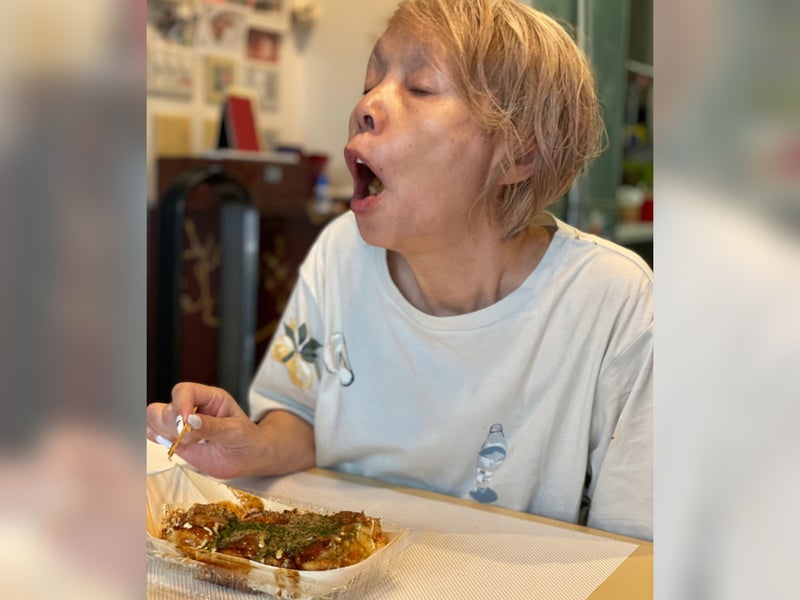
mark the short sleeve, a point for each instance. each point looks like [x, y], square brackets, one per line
[289, 374]
[621, 452]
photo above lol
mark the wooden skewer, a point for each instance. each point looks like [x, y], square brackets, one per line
[186, 427]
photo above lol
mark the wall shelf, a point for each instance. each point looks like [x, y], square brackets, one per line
[633, 233]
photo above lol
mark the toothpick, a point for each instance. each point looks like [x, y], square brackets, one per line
[186, 427]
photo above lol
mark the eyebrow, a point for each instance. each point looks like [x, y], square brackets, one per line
[418, 60]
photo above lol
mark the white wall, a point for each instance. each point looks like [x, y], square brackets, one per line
[329, 76]
[322, 78]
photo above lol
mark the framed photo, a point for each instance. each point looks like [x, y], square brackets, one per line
[170, 71]
[222, 28]
[170, 21]
[265, 82]
[263, 45]
[219, 76]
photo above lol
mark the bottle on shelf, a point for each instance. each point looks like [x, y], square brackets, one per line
[323, 202]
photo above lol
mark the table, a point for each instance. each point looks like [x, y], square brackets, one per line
[462, 549]
[633, 579]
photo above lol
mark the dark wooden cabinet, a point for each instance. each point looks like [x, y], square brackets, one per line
[280, 192]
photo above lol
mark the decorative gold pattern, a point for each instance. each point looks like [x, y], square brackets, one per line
[277, 275]
[205, 257]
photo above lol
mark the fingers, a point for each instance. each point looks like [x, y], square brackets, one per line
[160, 420]
[187, 396]
[159, 439]
[226, 431]
[163, 421]
[212, 414]
[184, 434]
[195, 421]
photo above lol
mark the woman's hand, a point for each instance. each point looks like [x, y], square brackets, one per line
[223, 442]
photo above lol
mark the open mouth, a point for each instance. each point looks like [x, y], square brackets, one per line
[367, 182]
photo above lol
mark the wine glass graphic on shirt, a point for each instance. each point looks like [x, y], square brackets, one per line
[490, 457]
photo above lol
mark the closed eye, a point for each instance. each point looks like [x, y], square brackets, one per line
[420, 91]
[415, 91]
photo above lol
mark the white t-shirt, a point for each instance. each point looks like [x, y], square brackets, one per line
[563, 365]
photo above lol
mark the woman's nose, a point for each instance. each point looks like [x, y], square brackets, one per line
[369, 114]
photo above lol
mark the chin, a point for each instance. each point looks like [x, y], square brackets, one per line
[373, 233]
[370, 231]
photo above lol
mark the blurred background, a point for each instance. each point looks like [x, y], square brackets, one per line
[85, 120]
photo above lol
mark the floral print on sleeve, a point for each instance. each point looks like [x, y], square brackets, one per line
[297, 350]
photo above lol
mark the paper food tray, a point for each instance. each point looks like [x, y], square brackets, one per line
[181, 487]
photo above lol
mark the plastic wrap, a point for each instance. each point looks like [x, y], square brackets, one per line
[174, 575]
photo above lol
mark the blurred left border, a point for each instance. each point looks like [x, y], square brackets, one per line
[72, 309]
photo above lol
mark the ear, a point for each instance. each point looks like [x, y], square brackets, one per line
[521, 170]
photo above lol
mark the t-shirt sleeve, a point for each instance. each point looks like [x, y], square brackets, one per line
[621, 451]
[289, 374]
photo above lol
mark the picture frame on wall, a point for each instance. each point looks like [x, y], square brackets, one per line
[170, 71]
[265, 82]
[222, 28]
[263, 45]
[219, 75]
[171, 22]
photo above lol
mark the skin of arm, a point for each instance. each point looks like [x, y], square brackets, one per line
[291, 442]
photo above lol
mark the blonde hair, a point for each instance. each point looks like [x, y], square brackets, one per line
[528, 84]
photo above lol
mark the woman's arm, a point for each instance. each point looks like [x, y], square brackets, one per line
[223, 441]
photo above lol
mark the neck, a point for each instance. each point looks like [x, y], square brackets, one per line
[474, 275]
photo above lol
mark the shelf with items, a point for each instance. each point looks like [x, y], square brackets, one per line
[638, 127]
[634, 194]
[199, 51]
[634, 233]
[635, 191]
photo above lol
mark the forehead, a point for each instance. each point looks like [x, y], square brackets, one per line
[404, 46]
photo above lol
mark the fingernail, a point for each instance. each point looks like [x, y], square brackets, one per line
[195, 421]
[203, 441]
[179, 424]
[164, 441]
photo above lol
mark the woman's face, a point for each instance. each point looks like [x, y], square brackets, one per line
[417, 156]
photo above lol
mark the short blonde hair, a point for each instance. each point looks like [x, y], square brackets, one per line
[528, 84]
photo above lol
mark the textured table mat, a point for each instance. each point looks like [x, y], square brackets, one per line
[455, 551]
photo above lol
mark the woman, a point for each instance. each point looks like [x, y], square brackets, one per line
[447, 333]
